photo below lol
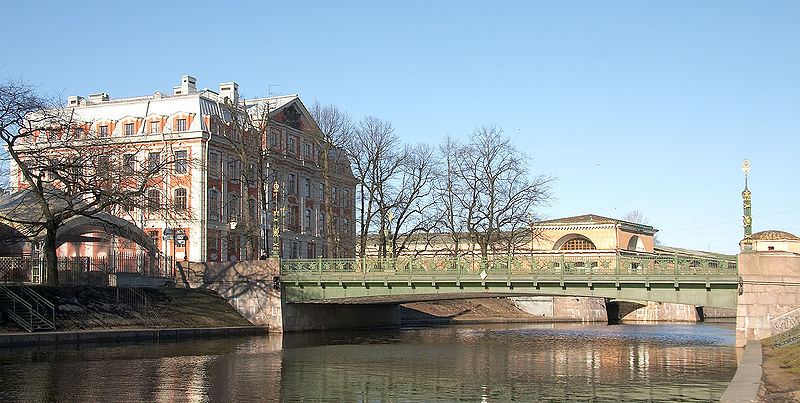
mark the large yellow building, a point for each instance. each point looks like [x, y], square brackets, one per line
[589, 232]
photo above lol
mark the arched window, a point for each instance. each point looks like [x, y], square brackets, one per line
[578, 244]
[180, 199]
[233, 207]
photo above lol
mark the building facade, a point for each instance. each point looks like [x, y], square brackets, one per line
[218, 191]
[583, 233]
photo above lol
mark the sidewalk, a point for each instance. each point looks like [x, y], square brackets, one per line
[745, 384]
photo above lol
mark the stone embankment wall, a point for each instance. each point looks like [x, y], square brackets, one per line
[663, 311]
[252, 287]
[770, 287]
[590, 309]
[249, 286]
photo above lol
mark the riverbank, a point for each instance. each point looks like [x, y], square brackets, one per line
[106, 308]
[781, 373]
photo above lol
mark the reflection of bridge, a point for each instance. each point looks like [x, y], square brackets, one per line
[684, 279]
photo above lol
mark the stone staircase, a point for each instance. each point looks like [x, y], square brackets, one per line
[786, 328]
[27, 308]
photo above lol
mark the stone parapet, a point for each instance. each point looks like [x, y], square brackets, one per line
[770, 287]
[252, 287]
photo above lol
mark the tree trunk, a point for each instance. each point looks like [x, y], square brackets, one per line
[49, 251]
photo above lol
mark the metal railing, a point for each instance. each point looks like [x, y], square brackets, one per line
[83, 270]
[558, 264]
[786, 328]
[137, 299]
[29, 309]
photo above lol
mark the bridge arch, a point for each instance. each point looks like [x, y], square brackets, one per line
[574, 241]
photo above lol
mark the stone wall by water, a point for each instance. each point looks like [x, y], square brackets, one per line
[249, 286]
[770, 288]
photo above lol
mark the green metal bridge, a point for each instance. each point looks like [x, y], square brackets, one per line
[677, 278]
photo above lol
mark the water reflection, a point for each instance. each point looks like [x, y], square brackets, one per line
[474, 363]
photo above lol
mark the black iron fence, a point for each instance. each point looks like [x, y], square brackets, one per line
[83, 270]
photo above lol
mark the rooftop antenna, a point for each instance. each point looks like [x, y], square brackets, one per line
[269, 89]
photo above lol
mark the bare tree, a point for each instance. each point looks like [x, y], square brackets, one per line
[332, 139]
[493, 192]
[377, 157]
[412, 200]
[244, 134]
[69, 171]
[449, 219]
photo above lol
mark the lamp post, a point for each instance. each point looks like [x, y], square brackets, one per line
[276, 224]
[530, 220]
[386, 232]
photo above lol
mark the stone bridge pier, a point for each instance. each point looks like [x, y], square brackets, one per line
[253, 288]
[769, 288]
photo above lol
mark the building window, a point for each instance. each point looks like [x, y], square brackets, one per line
[308, 187]
[274, 140]
[103, 168]
[233, 170]
[213, 164]
[154, 161]
[251, 209]
[346, 224]
[213, 204]
[180, 125]
[233, 207]
[180, 199]
[129, 163]
[346, 201]
[309, 151]
[77, 132]
[322, 191]
[153, 197]
[212, 240]
[129, 129]
[578, 244]
[333, 195]
[181, 163]
[308, 219]
[154, 238]
[155, 126]
[290, 145]
[103, 131]
[290, 185]
[321, 224]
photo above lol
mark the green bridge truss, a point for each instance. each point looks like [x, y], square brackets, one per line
[684, 279]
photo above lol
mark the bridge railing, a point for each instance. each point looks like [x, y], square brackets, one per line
[611, 263]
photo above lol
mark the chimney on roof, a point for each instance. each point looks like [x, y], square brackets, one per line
[75, 100]
[98, 97]
[188, 86]
[229, 90]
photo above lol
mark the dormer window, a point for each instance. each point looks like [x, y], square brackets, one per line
[103, 131]
[155, 127]
[129, 129]
[180, 125]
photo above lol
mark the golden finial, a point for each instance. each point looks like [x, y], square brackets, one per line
[746, 167]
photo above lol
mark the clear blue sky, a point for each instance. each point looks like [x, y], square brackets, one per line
[632, 105]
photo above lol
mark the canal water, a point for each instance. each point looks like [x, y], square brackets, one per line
[494, 363]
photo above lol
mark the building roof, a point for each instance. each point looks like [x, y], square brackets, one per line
[590, 219]
[774, 235]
